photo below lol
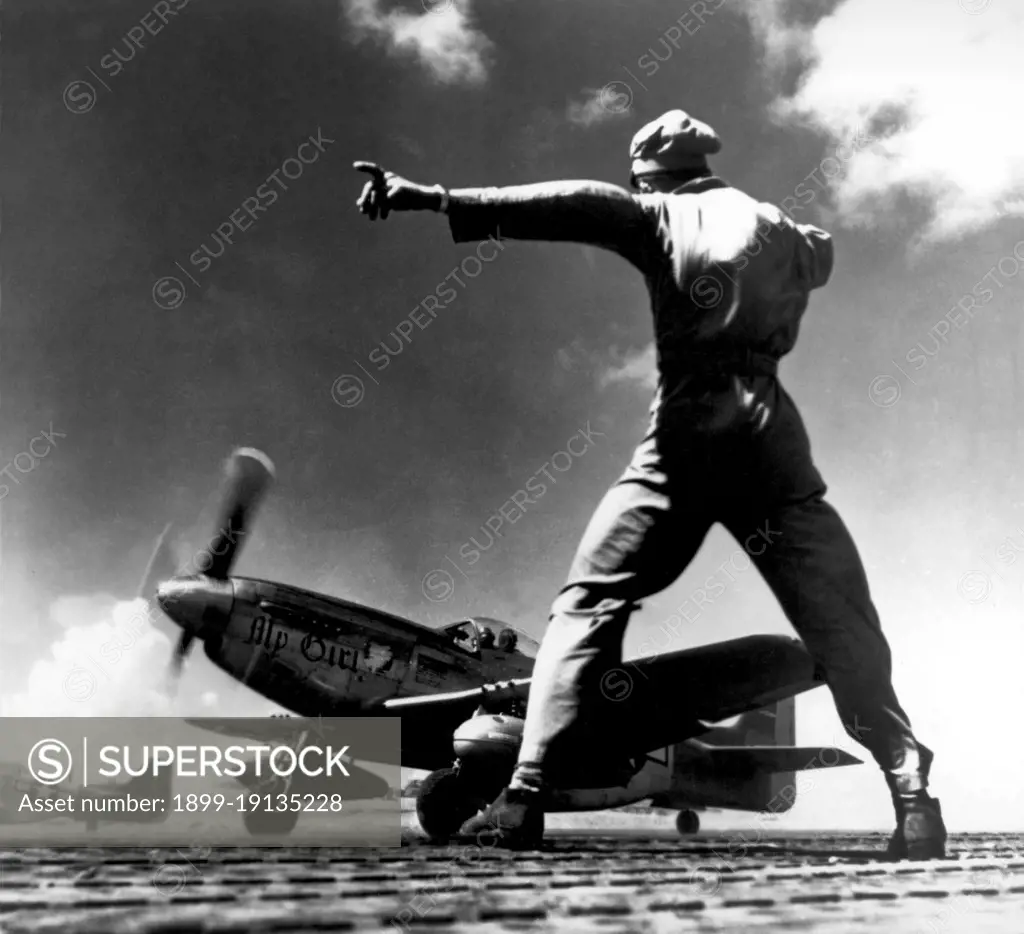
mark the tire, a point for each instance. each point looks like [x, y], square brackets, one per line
[445, 803]
[687, 822]
[267, 823]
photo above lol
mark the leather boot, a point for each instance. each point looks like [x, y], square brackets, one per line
[514, 821]
[920, 832]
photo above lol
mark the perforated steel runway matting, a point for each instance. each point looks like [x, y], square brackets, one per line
[579, 883]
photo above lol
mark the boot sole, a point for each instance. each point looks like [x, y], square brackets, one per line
[925, 850]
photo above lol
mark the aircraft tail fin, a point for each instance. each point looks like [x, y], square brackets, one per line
[765, 740]
[752, 762]
[774, 725]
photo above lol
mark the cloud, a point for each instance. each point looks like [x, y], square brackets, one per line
[69, 611]
[786, 43]
[109, 660]
[632, 366]
[940, 86]
[599, 105]
[440, 38]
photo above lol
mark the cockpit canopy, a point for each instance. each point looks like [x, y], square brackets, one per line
[482, 633]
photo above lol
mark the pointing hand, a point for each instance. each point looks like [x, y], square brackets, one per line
[387, 192]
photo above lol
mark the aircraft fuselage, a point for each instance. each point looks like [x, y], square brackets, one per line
[318, 655]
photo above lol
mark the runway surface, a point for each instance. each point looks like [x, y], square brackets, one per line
[592, 883]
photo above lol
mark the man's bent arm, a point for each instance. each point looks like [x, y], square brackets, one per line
[593, 213]
[818, 254]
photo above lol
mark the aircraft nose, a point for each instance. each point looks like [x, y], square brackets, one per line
[199, 605]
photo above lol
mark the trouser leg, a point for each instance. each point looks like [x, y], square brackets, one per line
[813, 567]
[638, 541]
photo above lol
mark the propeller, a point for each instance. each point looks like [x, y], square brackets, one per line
[161, 566]
[181, 648]
[248, 475]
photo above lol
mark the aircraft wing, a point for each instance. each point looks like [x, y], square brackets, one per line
[428, 723]
[504, 691]
[277, 729]
[287, 729]
[709, 683]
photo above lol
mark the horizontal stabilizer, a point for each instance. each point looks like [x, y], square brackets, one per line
[778, 758]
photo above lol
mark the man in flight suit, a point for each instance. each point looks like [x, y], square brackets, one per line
[729, 279]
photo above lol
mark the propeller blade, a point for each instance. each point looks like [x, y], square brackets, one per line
[180, 651]
[161, 566]
[249, 473]
[184, 597]
[177, 664]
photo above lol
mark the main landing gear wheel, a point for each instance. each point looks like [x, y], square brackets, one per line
[267, 823]
[445, 803]
[687, 822]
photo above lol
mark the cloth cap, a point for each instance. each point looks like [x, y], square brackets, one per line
[675, 141]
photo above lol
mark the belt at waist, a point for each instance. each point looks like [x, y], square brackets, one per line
[721, 362]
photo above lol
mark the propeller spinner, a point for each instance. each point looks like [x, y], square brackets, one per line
[206, 598]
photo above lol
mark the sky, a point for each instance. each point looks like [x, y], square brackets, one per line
[150, 324]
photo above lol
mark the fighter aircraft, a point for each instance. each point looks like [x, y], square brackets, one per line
[105, 800]
[15, 782]
[463, 689]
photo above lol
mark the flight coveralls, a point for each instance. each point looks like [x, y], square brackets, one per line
[729, 280]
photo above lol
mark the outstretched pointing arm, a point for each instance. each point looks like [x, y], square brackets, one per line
[593, 213]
